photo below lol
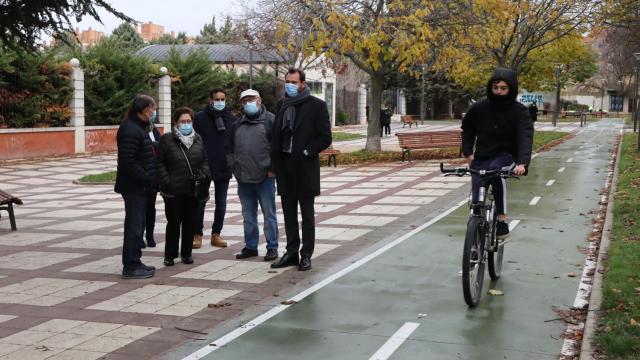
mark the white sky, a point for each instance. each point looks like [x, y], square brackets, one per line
[183, 15]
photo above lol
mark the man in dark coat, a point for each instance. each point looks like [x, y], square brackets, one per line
[302, 131]
[213, 124]
[135, 180]
[502, 132]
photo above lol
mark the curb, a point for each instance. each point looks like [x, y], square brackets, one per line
[595, 301]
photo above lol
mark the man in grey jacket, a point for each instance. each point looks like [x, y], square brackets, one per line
[249, 156]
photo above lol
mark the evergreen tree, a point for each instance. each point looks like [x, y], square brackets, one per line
[209, 33]
[126, 38]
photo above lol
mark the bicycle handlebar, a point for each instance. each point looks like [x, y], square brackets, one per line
[480, 172]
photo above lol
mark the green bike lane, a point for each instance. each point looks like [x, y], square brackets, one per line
[415, 285]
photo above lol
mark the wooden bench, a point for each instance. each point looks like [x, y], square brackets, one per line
[427, 140]
[332, 154]
[6, 203]
[409, 119]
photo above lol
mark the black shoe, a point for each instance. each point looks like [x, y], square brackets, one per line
[143, 245]
[168, 262]
[137, 273]
[305, 264]
[151, 243]
[187, 260]
[502, 230]
[285, 260]
[246, 253]
[271, 255]
[148, 267]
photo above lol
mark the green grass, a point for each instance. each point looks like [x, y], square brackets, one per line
[619, 333]
[107, 177]
[542, 138]
[343, 136]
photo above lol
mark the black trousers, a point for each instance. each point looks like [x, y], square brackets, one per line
[135, 207]
[151, 215]
[290, 211]
[181, 215]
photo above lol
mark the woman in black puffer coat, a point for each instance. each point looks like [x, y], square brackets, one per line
[177, 179]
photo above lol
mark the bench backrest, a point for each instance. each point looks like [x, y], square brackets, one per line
[429, 139]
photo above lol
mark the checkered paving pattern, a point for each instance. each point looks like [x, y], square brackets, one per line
[61, 295]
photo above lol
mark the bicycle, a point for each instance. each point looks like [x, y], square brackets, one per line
[480, 243]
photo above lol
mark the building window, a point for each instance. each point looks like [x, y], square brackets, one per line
[315, 87]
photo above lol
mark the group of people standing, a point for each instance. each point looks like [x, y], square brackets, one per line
[262, 150]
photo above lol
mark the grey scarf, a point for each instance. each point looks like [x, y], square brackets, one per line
[289, 117]
[187, 140]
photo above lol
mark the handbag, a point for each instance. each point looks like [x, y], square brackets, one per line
[200, 187]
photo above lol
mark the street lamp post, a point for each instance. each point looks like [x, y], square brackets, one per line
[558, 69]
[636, 102]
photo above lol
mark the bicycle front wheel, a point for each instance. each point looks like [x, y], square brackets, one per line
[495, 260]
[473, 262]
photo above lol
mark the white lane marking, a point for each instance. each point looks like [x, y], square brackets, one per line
[513, 224]
[562, 169]
[395, 341]
[535, 200]
[216, 344]
[570, 160]
[550, 182]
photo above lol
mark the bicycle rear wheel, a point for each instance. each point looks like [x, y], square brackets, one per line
[495, 260]
[495, 248]
[473, 262]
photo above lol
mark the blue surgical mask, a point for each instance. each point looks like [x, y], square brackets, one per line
[251, 108]
[218, 105]
[153, 117]
[291, 89]
[185, 129]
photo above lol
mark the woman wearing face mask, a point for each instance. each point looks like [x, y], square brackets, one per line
[182, 169]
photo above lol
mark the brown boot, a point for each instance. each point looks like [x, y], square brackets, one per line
[217, 241]
[197, 241]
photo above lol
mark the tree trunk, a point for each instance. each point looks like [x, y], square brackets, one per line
[373, 130]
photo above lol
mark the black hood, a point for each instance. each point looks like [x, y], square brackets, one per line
[507, 75]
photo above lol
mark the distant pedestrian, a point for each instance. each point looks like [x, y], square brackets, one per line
[249, 156]
[385, 119]
[183, 173]
[150, 222]
[213, 124]
[135, 180]
[533, 112]
[302, 131]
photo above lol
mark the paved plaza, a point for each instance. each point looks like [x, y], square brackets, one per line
[60, 272]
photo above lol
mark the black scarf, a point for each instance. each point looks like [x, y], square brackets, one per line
[217, 117]
[289, 117]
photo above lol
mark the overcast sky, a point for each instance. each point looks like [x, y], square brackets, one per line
[182, 15]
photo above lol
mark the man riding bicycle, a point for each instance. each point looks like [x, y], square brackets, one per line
[501, 130]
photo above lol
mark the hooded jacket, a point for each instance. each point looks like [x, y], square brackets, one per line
[498, 124]
[214, 140]
[249, 147]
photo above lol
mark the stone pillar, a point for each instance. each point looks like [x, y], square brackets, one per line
[362, 104]
[402, 104]
[164, 100]
[77, 105]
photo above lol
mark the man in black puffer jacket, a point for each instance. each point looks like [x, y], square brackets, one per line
[135, 179]
[502, 131]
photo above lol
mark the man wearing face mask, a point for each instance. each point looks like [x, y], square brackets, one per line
[502, 132]
[135, 180]
[213, 124]
[249, 157]
[302, 131]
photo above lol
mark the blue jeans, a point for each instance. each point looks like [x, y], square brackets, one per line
[221, 187]
[499, 185]
[250, 195]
